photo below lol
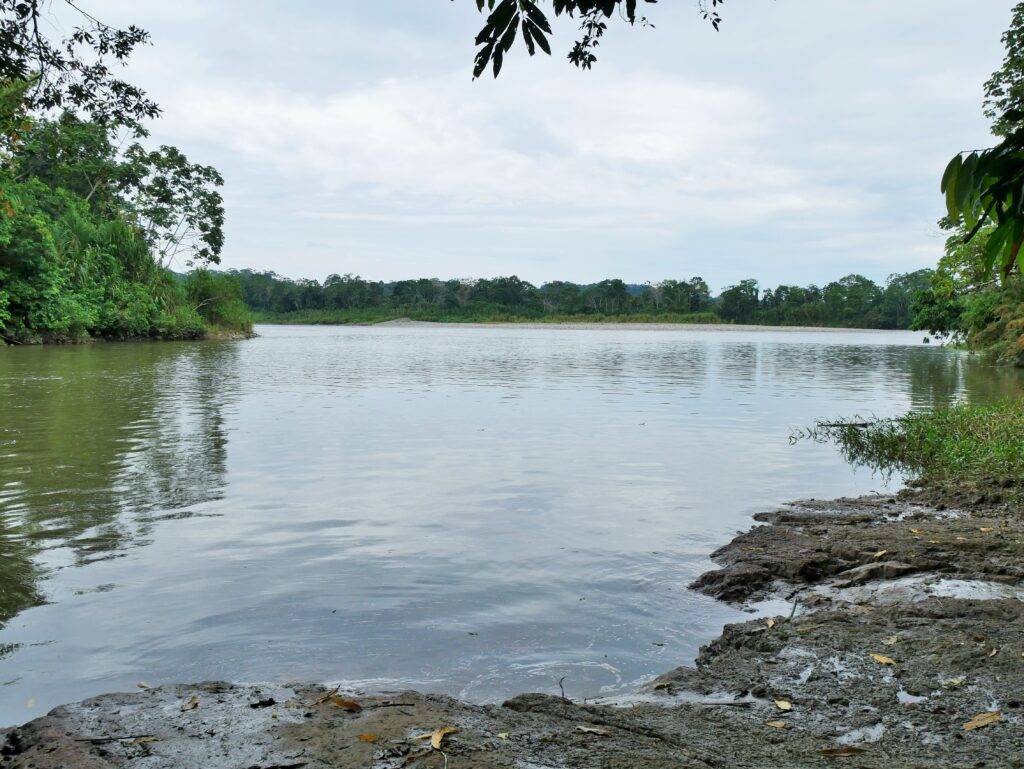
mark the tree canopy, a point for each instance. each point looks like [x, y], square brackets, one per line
[507, 20]
[74, 73]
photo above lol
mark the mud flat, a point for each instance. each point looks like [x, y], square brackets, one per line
[903, 647]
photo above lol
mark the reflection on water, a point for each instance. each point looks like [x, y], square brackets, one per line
[477, 511]
[99, 443]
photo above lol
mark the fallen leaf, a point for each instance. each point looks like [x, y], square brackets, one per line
[503, 735]
[368, 737]
[350, 705]
[600, 731]
[986, 528]
[891, 640]
[954, 682]
[143, 685]
[983, 719]
[191, 704]
[993, 653]
[783, 705]
[770, 623]
[846, 750]
[143, 739]
[879, 554]
[776, 724]
[881, 659]
[438, 735]
[917, 531]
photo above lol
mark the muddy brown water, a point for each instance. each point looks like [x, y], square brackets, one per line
[471, 511]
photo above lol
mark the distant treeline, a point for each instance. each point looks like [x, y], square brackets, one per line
[853, 301]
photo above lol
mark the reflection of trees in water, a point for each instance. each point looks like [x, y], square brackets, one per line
[939, 379]
[98, 442]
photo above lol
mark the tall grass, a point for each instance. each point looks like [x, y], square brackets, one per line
[955, 444]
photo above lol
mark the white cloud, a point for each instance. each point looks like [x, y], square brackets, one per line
[648, 145]
[802, 142]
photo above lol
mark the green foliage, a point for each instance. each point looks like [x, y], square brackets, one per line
[350, 299]
[976, 294]
[74, 72]
[982, 187]
[959, 443]
[67, 273]
[86, 231]
[1004, 91]
[217, 297]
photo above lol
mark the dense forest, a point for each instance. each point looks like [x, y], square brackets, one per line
[90, 218]
[853, 301]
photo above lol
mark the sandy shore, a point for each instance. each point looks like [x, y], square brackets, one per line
[904, 647]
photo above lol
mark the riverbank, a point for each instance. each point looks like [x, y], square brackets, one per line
[591, 325]
[903, 647]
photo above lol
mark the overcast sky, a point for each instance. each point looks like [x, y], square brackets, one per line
[802, 142]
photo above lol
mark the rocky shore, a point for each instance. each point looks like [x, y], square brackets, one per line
[903, 647]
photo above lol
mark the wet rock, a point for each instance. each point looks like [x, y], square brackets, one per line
[869, 572]
[945, 659]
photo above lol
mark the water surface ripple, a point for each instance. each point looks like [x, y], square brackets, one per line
[478, 511]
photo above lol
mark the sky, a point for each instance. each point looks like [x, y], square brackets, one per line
[802, 142]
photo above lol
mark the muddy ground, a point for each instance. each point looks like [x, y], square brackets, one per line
[904, 647]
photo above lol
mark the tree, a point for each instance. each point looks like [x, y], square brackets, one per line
[1004, 91]
[73, 73]
[982, 187]
[177, 204]
[739, 303]
[507, 19]
[73, 154]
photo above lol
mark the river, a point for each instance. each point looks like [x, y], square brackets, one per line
[476, 511]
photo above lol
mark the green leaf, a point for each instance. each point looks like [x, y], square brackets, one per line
[966, 190]
[949, 175]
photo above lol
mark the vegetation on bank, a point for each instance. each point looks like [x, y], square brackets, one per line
[853, 301]
[977, 293]
[961, 444]
[482, 314]
[90, 218]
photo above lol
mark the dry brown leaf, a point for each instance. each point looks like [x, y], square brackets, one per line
[846, 750]
[983, 719]
[986, 529]
[770, 623]
[891, 640]
[881, 659]
[879, 554]
[600, 731]
[350, 705]
[191, 704]
[954, 682]
[503, 735]
[438, 735]
[917, 531]
[783, 705]
[368, 737]
[776, 724]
